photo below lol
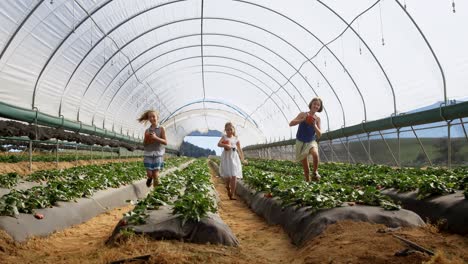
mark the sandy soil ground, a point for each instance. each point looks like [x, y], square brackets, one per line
[345, 242]
[22, 168]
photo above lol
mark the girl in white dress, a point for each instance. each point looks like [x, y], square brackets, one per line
[230, 167]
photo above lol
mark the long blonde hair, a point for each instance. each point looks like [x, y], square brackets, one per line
[144, 118]
[229, 124]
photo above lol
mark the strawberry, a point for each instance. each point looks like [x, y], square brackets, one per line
[122, 222]
[310, 119]
[39, 216]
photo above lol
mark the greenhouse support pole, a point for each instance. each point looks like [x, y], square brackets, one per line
[464, 130]
[449, 147]
[364, 147]
[56, 153]
[389, 149]
[449, 141]
[347, 149]
[368, 146]
[330, 143]
[323, 153]
[422, 146]
[30, 155]
[399, 152]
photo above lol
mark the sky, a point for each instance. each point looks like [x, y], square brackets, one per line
[205, 142]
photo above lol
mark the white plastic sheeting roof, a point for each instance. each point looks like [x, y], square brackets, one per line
[256, 63]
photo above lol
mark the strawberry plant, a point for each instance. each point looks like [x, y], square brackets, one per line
[9, 180]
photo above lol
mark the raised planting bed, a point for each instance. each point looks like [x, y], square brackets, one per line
[65, 200]
[449, 212]
[304, 210]
[183, 207]
[435, 194]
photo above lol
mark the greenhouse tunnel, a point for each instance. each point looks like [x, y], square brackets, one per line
[382, 69]
[379, 176]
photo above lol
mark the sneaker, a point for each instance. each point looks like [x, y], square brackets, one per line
[316, 176]
[148, 182]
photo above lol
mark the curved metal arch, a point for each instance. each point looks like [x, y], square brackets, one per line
[238, 110]
[19, 28]
[260, 132]
[233, 20]
[318, 39]
[193, 57]
[233, 75]
[97, 42]
[430, 48]
[348, 25]
[237, 37]
[152, 29]
[241, 78]
[209, 45]
[237, 21]
[211, 65]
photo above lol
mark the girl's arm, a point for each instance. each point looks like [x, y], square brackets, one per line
[241, 153]
[148, 138]
[301, 117]
[222, 144]
[162, 139]
[317, 126]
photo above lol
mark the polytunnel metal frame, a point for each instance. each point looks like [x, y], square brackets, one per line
[106, 35]
[445, 111]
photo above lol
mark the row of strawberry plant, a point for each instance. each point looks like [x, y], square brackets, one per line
[70, 184]
[294, 191]
[187, 190]
[428, 182]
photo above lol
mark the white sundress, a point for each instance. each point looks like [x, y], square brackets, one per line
[230, 161]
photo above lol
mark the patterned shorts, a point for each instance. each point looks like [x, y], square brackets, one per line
[153, 162]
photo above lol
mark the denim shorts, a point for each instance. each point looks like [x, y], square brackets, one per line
[153, 162]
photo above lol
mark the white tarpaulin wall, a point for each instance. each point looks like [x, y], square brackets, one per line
[256, 63]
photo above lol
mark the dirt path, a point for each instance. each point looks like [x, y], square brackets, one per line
[259, 241]
[344, 242]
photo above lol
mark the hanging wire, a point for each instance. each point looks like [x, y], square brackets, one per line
[73, 8]
[104, 52]
[453, 6]
[91, 30]
[359, 41]
[404, 4]
[381, 23]
[342, 53]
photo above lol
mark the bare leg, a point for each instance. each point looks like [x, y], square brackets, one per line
[305, 166]
[315, 158]
[227, 181]
[233, 187]
[149, 175]
[155, 178]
